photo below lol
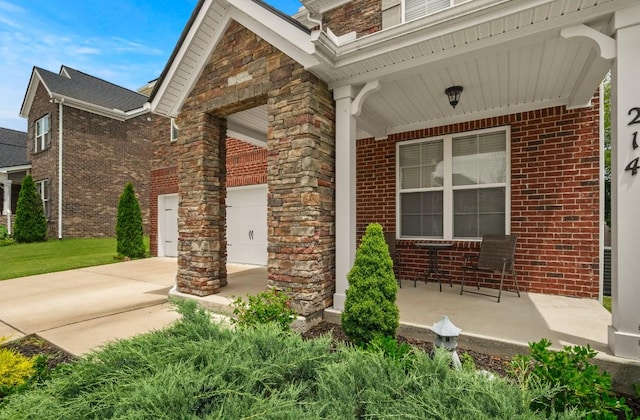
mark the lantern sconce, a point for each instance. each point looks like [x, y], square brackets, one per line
[447, 337]
[453, 93]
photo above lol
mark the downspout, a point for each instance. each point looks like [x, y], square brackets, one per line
[60, 107]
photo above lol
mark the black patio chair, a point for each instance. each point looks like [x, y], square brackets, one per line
[390, 237]
[496, 255]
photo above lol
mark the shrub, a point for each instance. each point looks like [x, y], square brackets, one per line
[199, 369]
[15, 370]
[370, 306]
[265, 307]
[30, 223]
[575, 383]
[129, 229]
[5, 239]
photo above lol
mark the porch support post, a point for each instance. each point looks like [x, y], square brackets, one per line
[345, 191]
[7, 203]
[624, 333]
[202, 247]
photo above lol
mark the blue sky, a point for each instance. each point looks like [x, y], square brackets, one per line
[126, 42]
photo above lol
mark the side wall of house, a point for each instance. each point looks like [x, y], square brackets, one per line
[100, 156]
[554, 198]
[44, 164]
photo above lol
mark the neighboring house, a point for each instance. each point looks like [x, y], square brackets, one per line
[357, 129]
[14, 166]
[87, 139]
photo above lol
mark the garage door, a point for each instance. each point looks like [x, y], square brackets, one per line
[247, 225]
[168, 225]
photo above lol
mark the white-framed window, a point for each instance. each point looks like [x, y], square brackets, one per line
[45, 194]
[42, 138]
[455, 186]
[414, 9]
[175, 132]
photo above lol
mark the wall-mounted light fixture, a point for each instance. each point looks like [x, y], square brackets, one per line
[453, 93]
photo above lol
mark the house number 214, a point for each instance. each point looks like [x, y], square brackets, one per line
[634, 165]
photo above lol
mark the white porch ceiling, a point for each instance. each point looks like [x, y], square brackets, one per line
[509, 55]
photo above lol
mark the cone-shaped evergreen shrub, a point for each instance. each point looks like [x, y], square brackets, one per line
[370, 308]
[129, 230]
[30, 223]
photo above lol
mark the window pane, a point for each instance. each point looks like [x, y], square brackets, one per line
[477, 212]
[421, 214]
[479, 159]
[437, 5]
[410, 155]
[411, 203]
[432, 164]
[410, 177]
[421, 165]
[414, 9]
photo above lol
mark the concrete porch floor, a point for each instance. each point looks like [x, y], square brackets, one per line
[501, 329]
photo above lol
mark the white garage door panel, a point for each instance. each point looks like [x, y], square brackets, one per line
[168, 225]
[247, 225]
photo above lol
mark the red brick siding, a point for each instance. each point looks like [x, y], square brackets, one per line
[362, 16]
[554, 198]
[44, 164]
[246, 164]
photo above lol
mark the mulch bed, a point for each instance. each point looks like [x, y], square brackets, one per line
[33, 345]
[493, 364]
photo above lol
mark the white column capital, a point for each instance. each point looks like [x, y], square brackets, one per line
[343, 92]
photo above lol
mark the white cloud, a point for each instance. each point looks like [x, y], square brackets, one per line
[10, 7]
[80, 50]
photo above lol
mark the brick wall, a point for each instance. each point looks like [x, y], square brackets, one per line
[100, 155]
[362, 16]
[246, 164]
[44, 164]
[554, 198]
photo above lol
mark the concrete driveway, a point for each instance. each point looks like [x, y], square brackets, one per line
[79, 310]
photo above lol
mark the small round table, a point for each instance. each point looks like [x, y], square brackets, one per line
[433, 248]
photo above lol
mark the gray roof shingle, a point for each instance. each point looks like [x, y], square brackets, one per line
[13, 148]
[90, 89]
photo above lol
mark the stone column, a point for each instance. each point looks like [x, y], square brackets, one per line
[300, 174]
[624, 333]
[201, 213]
[345, 191]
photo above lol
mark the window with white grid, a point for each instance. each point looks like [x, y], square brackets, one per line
[455, 186]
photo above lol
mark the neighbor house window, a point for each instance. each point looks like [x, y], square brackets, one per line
[43, 134]
[454, 187]
[414, 9]
[45, 195]
[174, 130]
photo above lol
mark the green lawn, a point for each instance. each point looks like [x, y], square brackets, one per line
[21, 260]
[606, 302]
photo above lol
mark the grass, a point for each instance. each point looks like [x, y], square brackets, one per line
[20, 260]
[606, 302]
